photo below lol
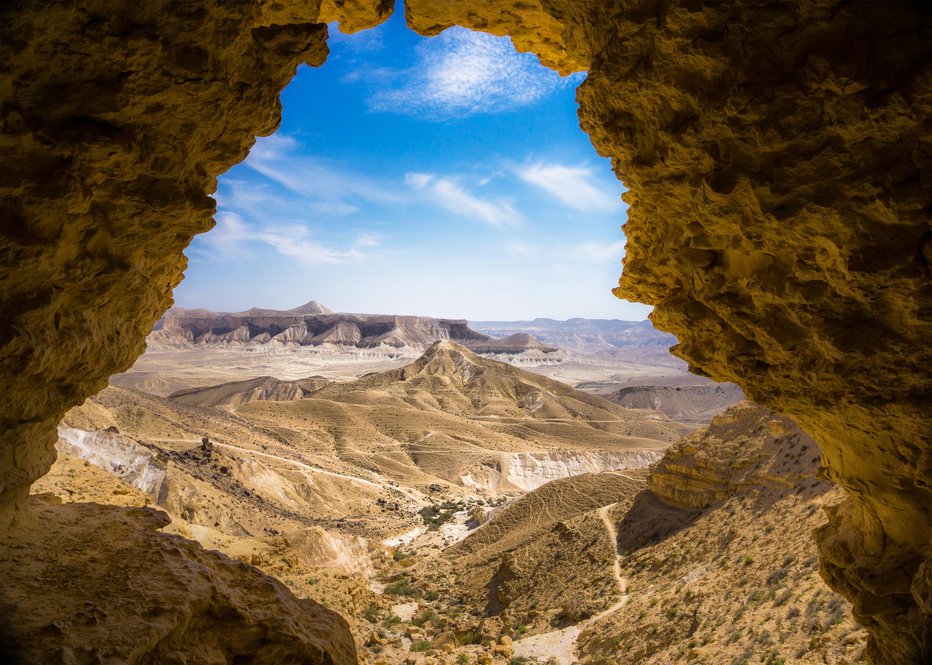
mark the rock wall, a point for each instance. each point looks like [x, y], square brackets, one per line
[746, 447]
[779, 168]
[86, 583]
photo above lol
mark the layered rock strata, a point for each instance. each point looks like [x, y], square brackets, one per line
[778, 164]
[745, 447]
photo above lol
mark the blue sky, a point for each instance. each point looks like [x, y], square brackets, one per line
[443, 177]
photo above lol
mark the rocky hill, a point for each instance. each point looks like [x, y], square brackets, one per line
[718, 556]
[684, 403]
[708, 561]
[315, 325]
[319, 490]
[453, 378]
[706, 558]
[235, 393]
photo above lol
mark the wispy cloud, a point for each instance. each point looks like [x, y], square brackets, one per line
[280, 159]
[234, 236]
[451, 196]
[461, 73]
[592, 250]
[575, 187]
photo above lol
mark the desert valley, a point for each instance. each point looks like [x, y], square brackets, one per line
[468, 492]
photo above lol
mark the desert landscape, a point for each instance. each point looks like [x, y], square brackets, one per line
[615, 344]
[462, 507]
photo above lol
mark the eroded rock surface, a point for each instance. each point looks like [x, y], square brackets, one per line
[87, 583]
[745, 447]
[780, 180]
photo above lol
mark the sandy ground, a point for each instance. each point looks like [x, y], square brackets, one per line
[162, 372]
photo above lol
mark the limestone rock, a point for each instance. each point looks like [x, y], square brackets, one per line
[86, 583]
[747, 446]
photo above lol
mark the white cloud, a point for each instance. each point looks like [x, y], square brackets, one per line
[368, 240]
[418, 180]
[461, 73]
[574, 186]
[233, 236]
[278, 158]
[449, 195]
[592, 250]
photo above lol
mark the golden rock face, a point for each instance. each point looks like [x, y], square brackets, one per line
[143, 596]
[779, 169]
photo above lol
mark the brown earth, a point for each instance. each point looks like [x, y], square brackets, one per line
[715, 562]
[683, 403]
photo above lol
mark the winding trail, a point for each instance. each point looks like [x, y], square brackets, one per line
[302, 465]
[385, 484]
[381, 481]
[561, 644]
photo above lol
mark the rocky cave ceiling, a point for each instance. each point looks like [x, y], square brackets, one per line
[778, 157]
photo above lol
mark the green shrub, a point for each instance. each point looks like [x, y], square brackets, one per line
[403, 588]
[371, 613]
[424, 617]
[420, 645]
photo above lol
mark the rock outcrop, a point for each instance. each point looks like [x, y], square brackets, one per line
[745, 447]
[687, 403]
[778, 165]
[87, 583]
[637, 340]
[235, 393]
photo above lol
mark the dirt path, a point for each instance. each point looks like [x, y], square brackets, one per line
[302, 465]
[407, 492]
[561, 644]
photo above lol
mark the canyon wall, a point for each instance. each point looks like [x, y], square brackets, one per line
[779, 169]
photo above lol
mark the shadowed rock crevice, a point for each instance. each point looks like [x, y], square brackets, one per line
[778, 166]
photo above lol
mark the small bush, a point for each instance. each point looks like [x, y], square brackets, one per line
[403, 588]
[420, 646]
[424, 617]
[371, 613]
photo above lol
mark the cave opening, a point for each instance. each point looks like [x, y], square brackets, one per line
[760, 177]
[448, 173]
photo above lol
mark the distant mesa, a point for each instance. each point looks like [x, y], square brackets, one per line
[605, 337]
[313, 325]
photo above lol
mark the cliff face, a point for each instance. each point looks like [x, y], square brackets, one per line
[778, 166]
[183, 327]
[88, 583]
[744, 447]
